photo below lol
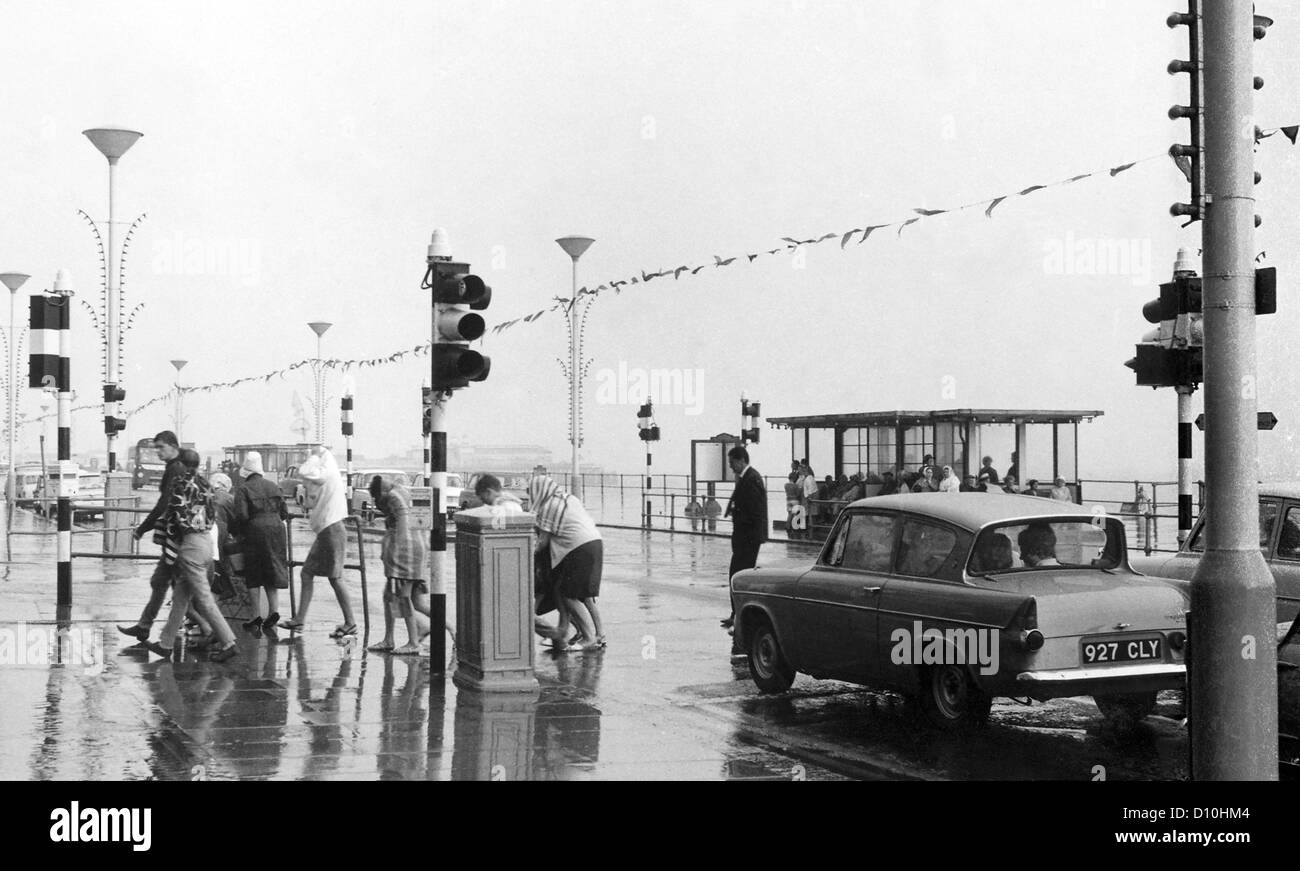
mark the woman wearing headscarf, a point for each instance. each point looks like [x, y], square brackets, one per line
[569, 544]
[949, 483]
[405, 564]
[259, 518]
[329, 505]
[925, 483]
[183, 531]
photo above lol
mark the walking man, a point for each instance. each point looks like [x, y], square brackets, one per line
[748, 512]
[169, 450]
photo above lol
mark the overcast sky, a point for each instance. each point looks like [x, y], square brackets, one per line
[320, 144]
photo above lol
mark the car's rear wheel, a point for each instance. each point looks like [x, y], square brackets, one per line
[767, 663]
[1124, 711]
[951, 700]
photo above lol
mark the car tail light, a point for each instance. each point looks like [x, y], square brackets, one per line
[1023, 628]
[1034, 640]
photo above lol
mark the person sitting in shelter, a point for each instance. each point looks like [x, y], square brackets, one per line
[926, 483]
[949, 483]
[1038, 545]
[1031, 487]
[1060, 491]
[968, 484]
[987, 469]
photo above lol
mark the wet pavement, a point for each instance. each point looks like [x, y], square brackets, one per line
[664, 701]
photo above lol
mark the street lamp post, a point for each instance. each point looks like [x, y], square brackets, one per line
[13, 281]
[112, 142]
[179, 415]
[319, 328]
[575, 246]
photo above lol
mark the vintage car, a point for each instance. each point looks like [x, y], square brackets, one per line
[516, 485]
[954, 599]
[1279, 541]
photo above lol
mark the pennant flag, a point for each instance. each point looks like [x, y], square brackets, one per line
[905, 223]
[1290, 132]
[1184, 165]
[718, 261]
[697, 269]
[751, 257]
[677, 273]
[824, 238]
[993, 204]
[844, 240]
[1117, 170]
[867, 232]
[928, 212]
[1031, 189]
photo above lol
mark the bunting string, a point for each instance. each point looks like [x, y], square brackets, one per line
[617, 285]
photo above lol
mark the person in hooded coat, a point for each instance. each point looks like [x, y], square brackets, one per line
[329, 506]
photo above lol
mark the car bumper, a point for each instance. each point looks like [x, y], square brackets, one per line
[1112, 679]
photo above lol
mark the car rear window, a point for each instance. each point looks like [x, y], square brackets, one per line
[929, 550]
[1048, 544]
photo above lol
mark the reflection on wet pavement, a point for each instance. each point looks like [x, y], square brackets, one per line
[663, 702]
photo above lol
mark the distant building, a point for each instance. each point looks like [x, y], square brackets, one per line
[504, 458]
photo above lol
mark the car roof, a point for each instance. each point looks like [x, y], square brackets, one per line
[1281, 489]
[974, 510]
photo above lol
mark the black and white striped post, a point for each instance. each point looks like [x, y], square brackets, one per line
[50, 367]
[426, 400]
[649, 433]
[1184, 462]
[347, 429]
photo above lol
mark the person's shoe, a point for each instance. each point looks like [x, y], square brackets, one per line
[341, 631]
[255, 623]
[201, 641]
[158, 650]
[271, 620]
[292, 625]
[139, 633]
[224, 653]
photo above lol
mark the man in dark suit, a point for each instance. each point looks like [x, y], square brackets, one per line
[748, 512]
[169, 451]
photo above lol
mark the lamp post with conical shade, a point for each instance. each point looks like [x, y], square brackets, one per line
[575, 246]
[13, 281]
[319, 328]
[112, 142]
[179, 414]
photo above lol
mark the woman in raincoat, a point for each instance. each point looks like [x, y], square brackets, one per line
[329, 506]
[259, 516]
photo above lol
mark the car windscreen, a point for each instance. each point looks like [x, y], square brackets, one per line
[1048, 543]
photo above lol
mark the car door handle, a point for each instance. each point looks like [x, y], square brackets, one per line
[871, 589]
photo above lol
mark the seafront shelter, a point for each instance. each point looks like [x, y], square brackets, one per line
[1040, 444]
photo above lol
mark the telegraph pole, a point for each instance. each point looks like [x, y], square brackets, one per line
[1232, 624]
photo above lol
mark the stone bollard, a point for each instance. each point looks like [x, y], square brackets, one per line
[494, 601]
[118, 493]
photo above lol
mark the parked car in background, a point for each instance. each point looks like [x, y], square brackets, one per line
[359, 494]
[1279, 541]
[956, 599]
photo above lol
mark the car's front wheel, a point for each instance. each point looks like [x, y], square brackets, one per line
[767, 663]
[951, 700]
[1124, 711]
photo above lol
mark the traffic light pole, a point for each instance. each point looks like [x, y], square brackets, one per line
[1232, 624]
[438, 536]
[1184, 462]
[63, 571]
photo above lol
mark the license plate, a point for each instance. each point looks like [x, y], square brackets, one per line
[1102, 650]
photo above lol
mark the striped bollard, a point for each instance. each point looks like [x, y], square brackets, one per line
[347, 430]
[50, 368]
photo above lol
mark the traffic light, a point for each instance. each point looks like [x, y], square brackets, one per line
[1172, 354]
[749, 413]
[645, 422]
[426, 399]
[1188, 157]
[457, 296]
[113, 395]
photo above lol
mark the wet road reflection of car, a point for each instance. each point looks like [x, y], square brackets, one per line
[956, 599]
